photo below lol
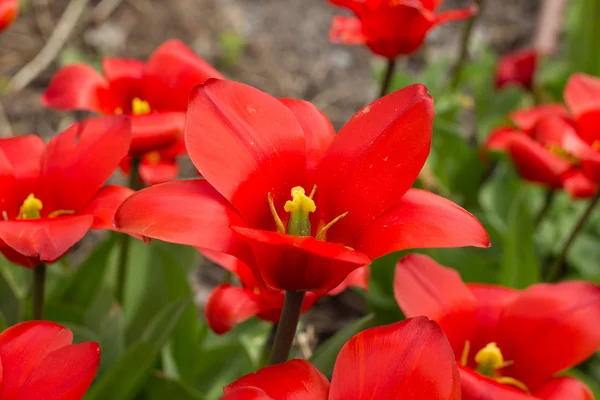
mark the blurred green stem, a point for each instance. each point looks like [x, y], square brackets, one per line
[135, 184]
[286, 330]
[556, 269]
[547, 204]
[267, 349]
[464, 46]
[39, 288]
[387, 78]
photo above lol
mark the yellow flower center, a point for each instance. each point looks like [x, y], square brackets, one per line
[562, 153]
[299, 208]
[138, 107]
[153, 157]
[596, 145]
[31, 207]
[489, 361]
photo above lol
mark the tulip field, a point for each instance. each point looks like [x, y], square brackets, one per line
[280, 200]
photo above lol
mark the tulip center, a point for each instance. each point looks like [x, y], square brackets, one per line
[562, 153]
[153, 157]
[299, 208]
[596, 145]
[489, 363]
[138, 107]
[31, 207]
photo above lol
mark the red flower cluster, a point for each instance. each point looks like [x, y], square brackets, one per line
[38, 361]
[9, 9]
[517, 68]
[555, 147]
[510, 344]
[154, 94]
[52, 195]
[407, 360]
[391, 28]
[350, 193]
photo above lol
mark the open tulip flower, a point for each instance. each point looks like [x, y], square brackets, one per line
[543, 146]
[510, 344]
[409, 360]
[155, 94]
[9, 9]
[390, 28]
[38, 361]
[517, 68]
[52, 195]
[582, 95]
[158, 166]
[229, 305]
[302, 206]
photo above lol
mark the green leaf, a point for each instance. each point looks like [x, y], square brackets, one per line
[10, 304]
[127, 377]
[160, 388]
[498, 194]
[324, 357]
[160, 328]
[380, 296]
[3, 324]
[520, 265]
[85, 283]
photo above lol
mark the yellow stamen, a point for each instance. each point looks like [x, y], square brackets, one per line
[118, 111]
[278, 222]
[562, 153]
[489, 360]
[256, 291]
[464, 358]
[312, 192]
[323, 231]
[139, 107]
[596, 145]
[507, 380]
[58, 213]
[153, 157]
[31, 208]
[299, 208]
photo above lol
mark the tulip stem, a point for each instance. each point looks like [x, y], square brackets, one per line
[39, 288]
[547, 204]
[387, 78]
[556, 269]
[464, 46]
[135, 184]
[286, 330]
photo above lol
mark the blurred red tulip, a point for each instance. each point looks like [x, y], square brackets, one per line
[38, 361]
[406, 360]
[9, 9]
[51, 195]
[391, 28]
[254, 150]
[510, 343]
[517, 68]
[158, 166]
[229, 305]
[155, 94]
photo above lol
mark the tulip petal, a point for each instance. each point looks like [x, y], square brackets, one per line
[422, 220]
[155, 173]
[359, 278]
[228, 306]
[454, 15]
[578, 186]
[80, 159]
[235, 266]
[564, 387]
[535, 163]
[125, 77]
[174, 69]
[424, 287]
[409, 359]
[346, 30]
[9, 9]
[247, 144]
[25, 154]
[47, 238]
[64, 374]
[104, 205]
[186, 212]
[374, 160]
[499, 138]
[23, 346]
[582, 95]
[517, 68]
[478, 387]
[526, 119]
[299, 263]
[318, 131]
[294, 379]
[155, 131]
[246, 393]
[79, 87]
[549, 328]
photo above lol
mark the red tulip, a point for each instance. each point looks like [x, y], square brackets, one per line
[582, 95]
[51, 195]
[155, 94]
[158, 166]
[510, 343]
[230, 305]
[38, 361]
[517, 68]
[391, 28]
[9, 9]
[254, 150]
[406, 360]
